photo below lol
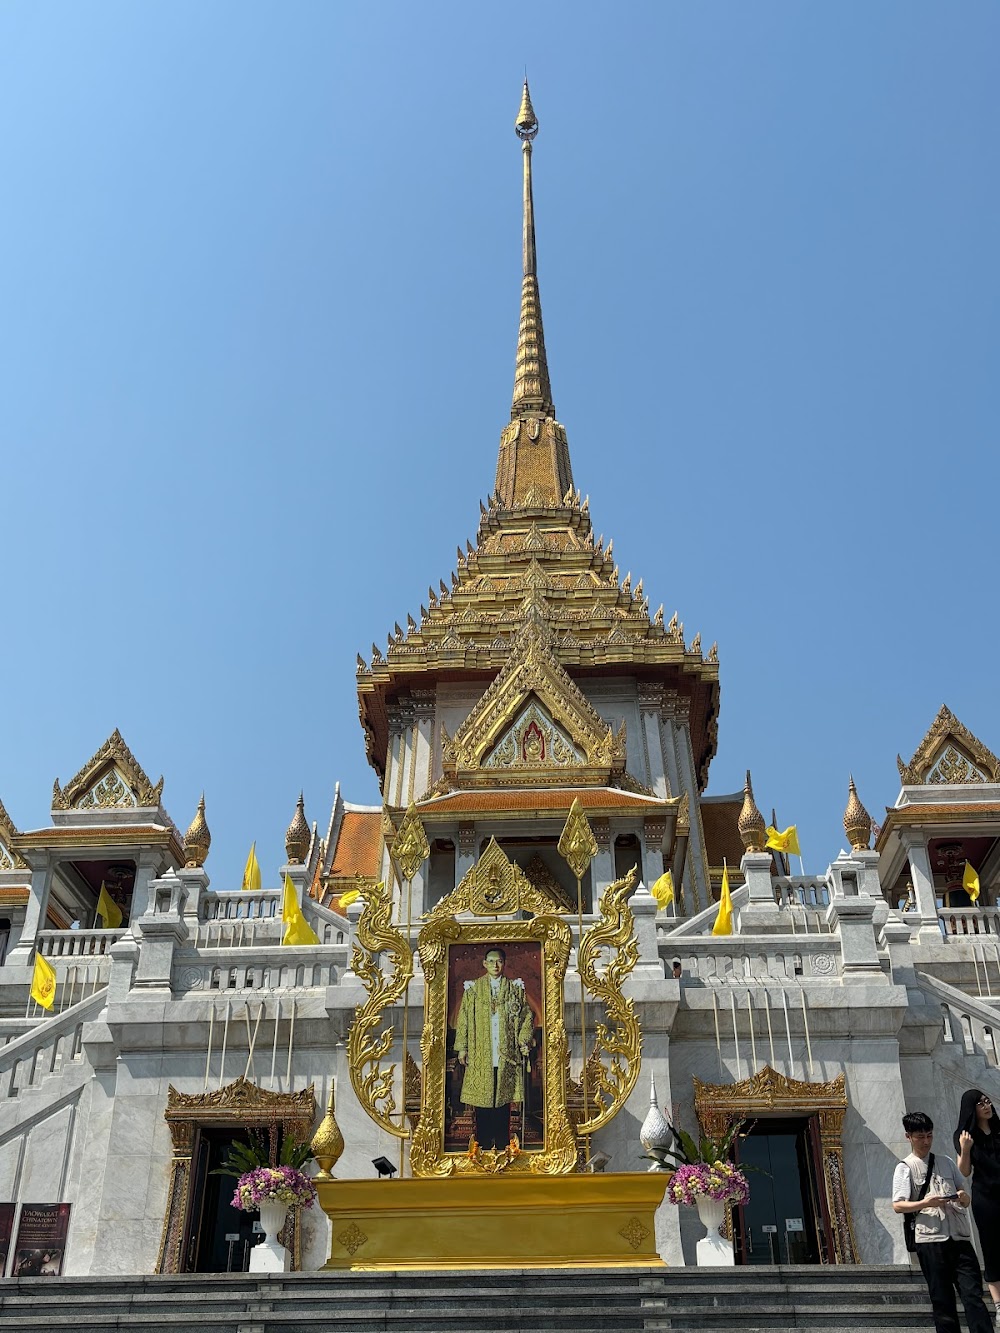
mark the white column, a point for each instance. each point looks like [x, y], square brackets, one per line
[423, 758]
[602, 867]
[697, 864]
[650, 703]
[643, 906]
[42, 868]
[465, 851]
[929, 931]
[761, 915]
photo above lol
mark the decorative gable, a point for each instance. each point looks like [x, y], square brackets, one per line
[112, 779]
[531, 726]
[949, 753]
[9, 858]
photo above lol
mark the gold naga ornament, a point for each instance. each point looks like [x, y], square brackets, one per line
[367, 1046]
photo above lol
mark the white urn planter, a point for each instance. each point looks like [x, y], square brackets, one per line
[269, 1256]
[713, 1249]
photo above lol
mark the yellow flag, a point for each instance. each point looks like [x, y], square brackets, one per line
[108, 910]
[724, 921]
[663, 889]
[784, 842]
[43, 982]
[297, 928]
[970, 882]
[251, 875]
[351, 896]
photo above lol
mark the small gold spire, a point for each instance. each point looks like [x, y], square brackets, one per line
[328, 1142]
[298, 837]
[857, 821]
[198, 839]
[526, 125]
[751, 822]
[532, 391]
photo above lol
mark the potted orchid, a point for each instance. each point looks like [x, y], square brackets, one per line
[706, 1179]
[269, 1180]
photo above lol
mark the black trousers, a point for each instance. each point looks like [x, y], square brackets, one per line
[493, 1122]
[947, 1264]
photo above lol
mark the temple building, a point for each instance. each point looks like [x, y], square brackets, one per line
[535, 679]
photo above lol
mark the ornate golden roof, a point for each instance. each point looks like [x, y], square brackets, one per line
[535, 560]
[949, 753]
[112, 778]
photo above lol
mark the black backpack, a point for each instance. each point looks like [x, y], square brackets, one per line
[910, 1219]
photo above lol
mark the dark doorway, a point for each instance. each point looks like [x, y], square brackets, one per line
[783, 1223]
[221, 1235]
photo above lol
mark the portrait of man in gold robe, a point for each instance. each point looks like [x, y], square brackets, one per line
[494, 1036]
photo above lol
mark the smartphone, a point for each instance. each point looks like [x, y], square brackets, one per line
[948, 1198]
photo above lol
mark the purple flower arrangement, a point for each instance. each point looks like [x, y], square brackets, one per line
[273, 1184]
[710, 1180]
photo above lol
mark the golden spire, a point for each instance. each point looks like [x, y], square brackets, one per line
[297, 836]
[751, 822]
[532, 392]
[857, 821]
[197, 840]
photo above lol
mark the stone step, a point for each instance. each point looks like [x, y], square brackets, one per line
[688, 1300]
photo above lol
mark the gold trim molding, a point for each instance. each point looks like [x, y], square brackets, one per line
[769, 1093]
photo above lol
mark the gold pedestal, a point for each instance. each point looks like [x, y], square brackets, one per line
[487, 1221]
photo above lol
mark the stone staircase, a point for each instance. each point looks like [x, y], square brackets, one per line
[742, 1300]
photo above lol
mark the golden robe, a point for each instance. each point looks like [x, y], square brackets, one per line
[472, 1035]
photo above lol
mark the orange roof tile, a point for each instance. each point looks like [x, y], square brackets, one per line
[359, 844]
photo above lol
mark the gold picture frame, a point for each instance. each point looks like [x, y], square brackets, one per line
[558, 1151]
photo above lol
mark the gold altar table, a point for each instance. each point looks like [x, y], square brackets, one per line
[494, 1221]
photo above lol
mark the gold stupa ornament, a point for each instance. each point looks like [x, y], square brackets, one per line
[410, 849]
[328, 1142]
[298, 837]
[753, 830]
[198, 839]
[857, 821]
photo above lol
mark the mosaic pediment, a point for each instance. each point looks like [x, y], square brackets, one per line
[534, 740]
[112, 779]
[949, 753]
[532, 724]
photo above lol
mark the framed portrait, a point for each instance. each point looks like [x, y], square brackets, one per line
[494, 1046]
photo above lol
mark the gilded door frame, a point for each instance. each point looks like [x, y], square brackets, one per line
[769, 1093]
[238, 1105]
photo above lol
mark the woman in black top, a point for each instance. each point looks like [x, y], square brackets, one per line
[977, 1143]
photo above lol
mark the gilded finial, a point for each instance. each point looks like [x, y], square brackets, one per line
[198, 839]
[328, 1142]
[297, 838]
[751, 822]
[857, 821]
[526, 125]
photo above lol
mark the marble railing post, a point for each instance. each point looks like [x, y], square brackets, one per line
[160, 931]
[299, 876]
[42, 868]
[195, 880]
[853, 918]
[643, 906]
[353, 916]
[760, 915]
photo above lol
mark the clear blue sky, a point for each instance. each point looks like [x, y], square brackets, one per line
[259, 276]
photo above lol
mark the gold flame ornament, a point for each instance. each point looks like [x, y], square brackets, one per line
[577, 844]
[410, 848]
[328, 1142]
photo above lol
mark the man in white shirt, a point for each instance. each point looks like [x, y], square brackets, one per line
[942, 1231]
